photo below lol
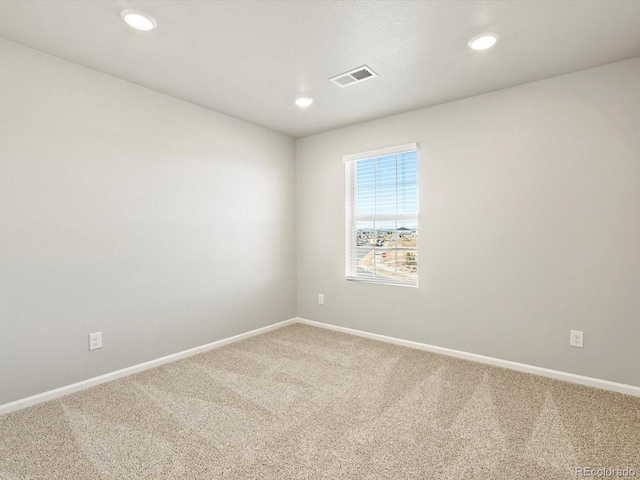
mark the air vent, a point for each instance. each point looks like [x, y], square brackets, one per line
[354, 76]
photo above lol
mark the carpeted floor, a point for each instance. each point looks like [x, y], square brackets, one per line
[307, 403]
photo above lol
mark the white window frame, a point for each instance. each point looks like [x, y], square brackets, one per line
[351, 218]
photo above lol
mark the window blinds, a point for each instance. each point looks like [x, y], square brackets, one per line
[382, 215]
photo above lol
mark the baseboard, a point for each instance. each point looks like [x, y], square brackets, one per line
[107, 377]
[521, 367]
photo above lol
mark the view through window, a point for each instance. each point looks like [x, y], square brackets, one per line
[382, 216]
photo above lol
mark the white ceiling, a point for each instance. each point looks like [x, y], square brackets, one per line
[250, 59]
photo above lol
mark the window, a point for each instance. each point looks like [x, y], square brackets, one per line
[382, 216]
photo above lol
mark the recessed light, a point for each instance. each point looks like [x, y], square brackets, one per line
[138, 20]
[484, 41]
[304, 101]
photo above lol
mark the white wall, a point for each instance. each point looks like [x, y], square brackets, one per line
[529, 225]
[162, 224]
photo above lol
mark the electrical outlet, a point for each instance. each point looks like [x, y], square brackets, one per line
[321, 298]
[95, 340]
[576, 338]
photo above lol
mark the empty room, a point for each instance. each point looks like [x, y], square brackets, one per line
[319, 239]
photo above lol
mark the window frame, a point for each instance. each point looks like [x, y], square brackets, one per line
[351, 219]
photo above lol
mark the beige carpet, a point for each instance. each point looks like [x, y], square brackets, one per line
[303, 402]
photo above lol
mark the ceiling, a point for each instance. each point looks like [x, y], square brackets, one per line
[250, 59]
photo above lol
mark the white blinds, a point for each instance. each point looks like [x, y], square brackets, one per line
[382, 215]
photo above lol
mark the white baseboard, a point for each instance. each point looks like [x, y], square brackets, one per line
[107, 377]
[521, 367]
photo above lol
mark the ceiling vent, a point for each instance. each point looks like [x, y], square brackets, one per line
[354, 76]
